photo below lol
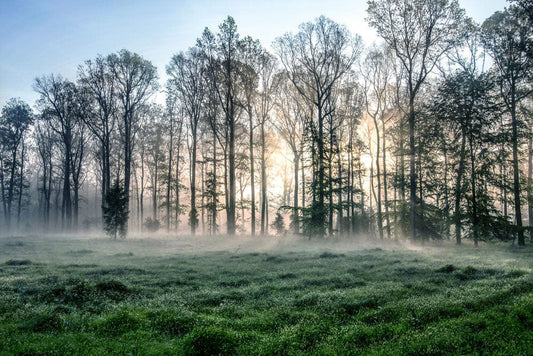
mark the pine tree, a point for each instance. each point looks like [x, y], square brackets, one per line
[279, 224]
[115, 211]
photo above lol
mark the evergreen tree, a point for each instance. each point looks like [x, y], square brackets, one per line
[279, 224]
[115, 211]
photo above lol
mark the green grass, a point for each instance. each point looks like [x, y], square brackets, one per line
[166, 296]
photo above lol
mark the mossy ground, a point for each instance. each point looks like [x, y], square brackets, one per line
[61, 296]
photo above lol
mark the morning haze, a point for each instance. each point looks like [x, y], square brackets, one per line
[219, 178]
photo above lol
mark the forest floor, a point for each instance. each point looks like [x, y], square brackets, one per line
[262, 296]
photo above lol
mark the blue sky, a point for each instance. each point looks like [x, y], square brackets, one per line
[40, 37]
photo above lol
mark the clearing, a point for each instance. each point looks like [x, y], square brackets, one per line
[261, 296]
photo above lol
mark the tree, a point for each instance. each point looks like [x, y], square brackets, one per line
[252, 55]
[14, 123]
[116, 211]
[46, 141]
[315, 59]
[507, 36]
[268, 87]
[290, 123]
[279, 224]
[224, 53]
[98, 82]
[135, 80]
[419, 32]
[376, 76]
[187, 80]
[58, 103]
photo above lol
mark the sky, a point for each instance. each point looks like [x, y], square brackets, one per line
[41, 37]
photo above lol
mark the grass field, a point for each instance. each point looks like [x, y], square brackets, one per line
[184, 296]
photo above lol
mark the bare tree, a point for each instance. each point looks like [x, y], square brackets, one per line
[290, 124]
[58, 97]
[98, 82]
[187, 80]
[136, 81]
[419, 33]
[45, 139]
[315, 59]
[268, 86]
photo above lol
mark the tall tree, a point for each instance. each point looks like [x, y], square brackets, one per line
[58, 103]
[14, 123]
[289, 124]
[315, 59]
[376, 76]
[135, 80]
[508, 38]
[98, 82]
[268, 87]
[187, 79]
[419, 32]
[252, 52]
[46, 140]
[224, 54]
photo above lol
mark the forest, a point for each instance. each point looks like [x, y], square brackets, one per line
[426, 135]
[313, 196]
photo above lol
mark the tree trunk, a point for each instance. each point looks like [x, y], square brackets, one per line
[142, 191]
[264, 205]
[516, 171]
[295, 215]
[67, 200]
[446, 198]
[303, 179]
[319, 214]
[475, 223]
[202, 195]
[330, 183]
[11, 186]
[339, 194]
[530, 181]
[412, 171]
[128, 119]
[252, 172]
[155, 187]
[3, 192]
[21, 184]
[177, 187]
[378, 178]
[193, 217]
[458, 183]
[169, 173]
[385, 185]
[214, 188]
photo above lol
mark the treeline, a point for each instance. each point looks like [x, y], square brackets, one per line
[426, 135]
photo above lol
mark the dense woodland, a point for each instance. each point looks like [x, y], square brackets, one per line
[425, 135]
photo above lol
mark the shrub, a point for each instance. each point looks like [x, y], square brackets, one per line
[210, 341]
[18, 262]
[330, 255]
[171, 322]
[152, 225]
[446, 269]
[118, 323]
[41, 322]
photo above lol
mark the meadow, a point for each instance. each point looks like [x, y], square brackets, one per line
[262, 296]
